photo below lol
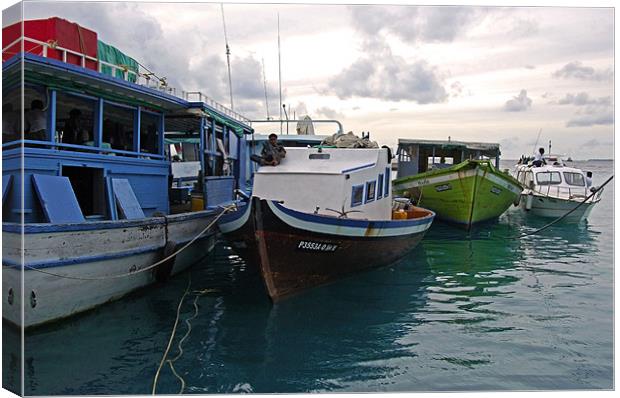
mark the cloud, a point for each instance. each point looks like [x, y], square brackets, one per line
[519, 103]
[583, 98]
[328, 113]
[604, 117]
[415, 24]
[576, 70]
[385, 76]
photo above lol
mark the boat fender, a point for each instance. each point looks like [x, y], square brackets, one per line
[529, 201]
[389, 151]
[164, 270]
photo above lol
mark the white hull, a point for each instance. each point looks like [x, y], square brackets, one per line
[76, 251]
[548, 207]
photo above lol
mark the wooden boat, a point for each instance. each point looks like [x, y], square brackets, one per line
[444, 177]
[86, 222]
[322, 214]
[554, 189]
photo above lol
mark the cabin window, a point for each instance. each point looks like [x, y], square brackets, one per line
[357, 195]
[318, 156]
[548, 178]
[149, 132]
[118, 126]
[11, 115]
[386, 184]
[575, 179]
[75, 119]
[371, 189]
[35, 114]
[88, 185]
[380, 185]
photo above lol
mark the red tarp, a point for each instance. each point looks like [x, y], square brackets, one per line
[66, 34]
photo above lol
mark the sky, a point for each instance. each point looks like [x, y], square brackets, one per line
[518, 76]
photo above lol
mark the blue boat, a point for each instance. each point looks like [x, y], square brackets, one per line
[113, 183]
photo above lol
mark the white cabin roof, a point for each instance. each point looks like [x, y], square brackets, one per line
[548, 168]
[310, 138]
[328, 161]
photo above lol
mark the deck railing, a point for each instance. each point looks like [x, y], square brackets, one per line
[142, 77]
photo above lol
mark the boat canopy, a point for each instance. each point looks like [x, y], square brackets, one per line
[472, 146]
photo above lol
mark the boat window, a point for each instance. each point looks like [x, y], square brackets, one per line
[380, 185]
[357, 195]
[149, 132]
[574, 179]
[11, 115]
[386, 184]
[118, 125]
[75, 119]
[319, 156]
[548, 178]
[35, 116]
[371, 189]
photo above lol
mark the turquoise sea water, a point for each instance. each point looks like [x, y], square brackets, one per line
[463, 311]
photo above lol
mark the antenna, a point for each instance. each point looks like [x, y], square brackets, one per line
[227, 57]
[536, 143]
[265, 84]
[280, 74]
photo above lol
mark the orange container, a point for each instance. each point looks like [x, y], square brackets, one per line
[399, 215]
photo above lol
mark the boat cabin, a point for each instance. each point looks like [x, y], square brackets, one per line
[109, 146]
[351, 183]
[419, 156]
[553, 180]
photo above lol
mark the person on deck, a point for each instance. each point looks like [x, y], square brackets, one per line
[36, 123]
[74, 128]
[539, 159]
[272, 152]
[588, 179]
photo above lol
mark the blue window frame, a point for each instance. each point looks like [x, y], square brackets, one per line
[357, 195]
[371, 189]
[380, 185]
[386, 190]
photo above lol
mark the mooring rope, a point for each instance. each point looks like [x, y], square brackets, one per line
[224, 210]
[569, 212]
[174, 330]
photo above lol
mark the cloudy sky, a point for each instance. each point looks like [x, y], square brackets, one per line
[494, 74]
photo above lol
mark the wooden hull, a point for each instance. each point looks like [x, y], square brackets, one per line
[76, 252]
[298, 251]
[465, 194]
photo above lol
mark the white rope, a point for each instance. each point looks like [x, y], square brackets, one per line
[174, 330]
[140, 270]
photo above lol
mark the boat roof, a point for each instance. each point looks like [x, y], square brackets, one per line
[548, 168]
[311, 138]
[336, 161]
[475, 146]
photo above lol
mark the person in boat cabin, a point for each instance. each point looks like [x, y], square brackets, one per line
[539, 160]
[272, 152]
[10, 123]
[36, 123]
[74, 128]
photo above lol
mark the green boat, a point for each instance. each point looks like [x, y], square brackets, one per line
[456, 180]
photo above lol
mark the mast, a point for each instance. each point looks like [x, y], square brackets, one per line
[280, 74]
[227, 58]
[265, 85]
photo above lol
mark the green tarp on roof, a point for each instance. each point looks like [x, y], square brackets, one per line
[113, 55]
[226, 122]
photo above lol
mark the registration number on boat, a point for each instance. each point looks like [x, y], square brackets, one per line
[316, 246]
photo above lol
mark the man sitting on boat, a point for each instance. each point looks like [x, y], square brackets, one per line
[272, 153]
[539, 160]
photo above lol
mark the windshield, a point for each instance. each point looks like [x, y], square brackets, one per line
[574, 179]
[548, 178]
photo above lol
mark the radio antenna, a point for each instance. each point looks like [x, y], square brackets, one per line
[280, 74]
[227, 57]
[265, 85]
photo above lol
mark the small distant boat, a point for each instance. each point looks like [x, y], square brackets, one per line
[444, 177]
[569, 159]
[321, 214]
[553, 190]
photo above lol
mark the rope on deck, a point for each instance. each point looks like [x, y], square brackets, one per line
[224, 210]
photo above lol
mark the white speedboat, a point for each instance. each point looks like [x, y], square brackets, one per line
[554, 189]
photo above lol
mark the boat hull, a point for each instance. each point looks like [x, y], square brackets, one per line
[298, 251]
[549, 207]
[466, 194]
[61, 260]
